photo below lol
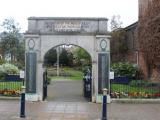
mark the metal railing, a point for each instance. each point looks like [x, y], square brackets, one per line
[134, 89]
[10, 87]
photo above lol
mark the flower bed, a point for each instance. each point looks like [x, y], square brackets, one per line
[10, 92]
[134, 95]
[127, 91]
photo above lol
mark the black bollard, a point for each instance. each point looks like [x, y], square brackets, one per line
[104, 106]
[22, 112]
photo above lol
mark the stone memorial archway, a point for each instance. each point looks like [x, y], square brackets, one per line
[45, 33]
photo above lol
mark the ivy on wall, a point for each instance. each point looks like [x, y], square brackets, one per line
[149, 36]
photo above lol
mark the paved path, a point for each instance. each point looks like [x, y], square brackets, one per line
[66, 91]
[9, 110]
[66, 102]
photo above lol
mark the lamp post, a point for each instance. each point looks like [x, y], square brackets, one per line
[104, 106]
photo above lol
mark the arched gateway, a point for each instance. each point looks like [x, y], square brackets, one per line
[45, 33]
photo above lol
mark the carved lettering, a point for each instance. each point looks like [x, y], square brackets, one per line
[67, 26]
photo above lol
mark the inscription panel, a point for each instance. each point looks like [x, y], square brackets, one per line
[31, 60]
[66, 25]
[70, 26]
[103, 71]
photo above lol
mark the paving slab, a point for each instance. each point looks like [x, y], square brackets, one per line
[49, 110]
[73, 106]
[66, 91]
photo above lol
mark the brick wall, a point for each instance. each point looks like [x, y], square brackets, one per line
[148, 9]
[143, 68]
[143, 5]
[132, 57]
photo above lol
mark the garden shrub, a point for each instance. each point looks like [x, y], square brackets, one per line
[2, 61]
[124, 69]
[49, 80]
[9, 68]
[2, 72]
[86, 68]
[139, 83]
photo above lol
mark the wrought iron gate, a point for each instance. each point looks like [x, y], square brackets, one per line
[87, 85]
[45, 83]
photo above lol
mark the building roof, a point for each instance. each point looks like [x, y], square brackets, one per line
[131, 26]
[67, 18]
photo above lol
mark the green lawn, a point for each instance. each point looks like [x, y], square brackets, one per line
[70, 73]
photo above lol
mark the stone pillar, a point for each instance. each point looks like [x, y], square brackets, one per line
[103, 65]
[40, 71]
[32, 67]
[94, 80]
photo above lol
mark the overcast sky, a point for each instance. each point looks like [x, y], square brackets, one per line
[20, 10]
